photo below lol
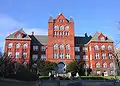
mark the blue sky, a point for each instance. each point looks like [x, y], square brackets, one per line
[89, 16]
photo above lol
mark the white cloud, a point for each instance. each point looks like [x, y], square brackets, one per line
[37, 31]
[9, 25]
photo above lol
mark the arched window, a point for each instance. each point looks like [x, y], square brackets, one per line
[25, 45]
[66, 27]
[18, 45]
[96, 47]
[10, 45]
[98, 65]
[61, 27]
[56, 28]
[104, 65]
[109, 47]
[103, 47]
[111, 65]
[55, 46]
[67, 47]
[61, 47]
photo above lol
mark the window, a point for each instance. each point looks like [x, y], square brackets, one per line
[35, 48]
[43, 48]
[77, 57]
[96, 47]
[57, 33]
[61, 55]
[34, 57]
[67, 47]
[104, 65]
[98, 72]
[97, 65]
[109, 47]
[61, 27]
[55, 56]
[60, 33]
[68, 56]
[103, 47]
[90, 57]
[110, 56]
[90, 48]
[24, 55]
[77, 49]
[103, 56]
[96, 56]
[16, 54]
[102, 38]
[55, 47]
[67, 33]
[66, 27]
[19, 35]
[112, 72]
[18, 45]
[85, 49]
[25, 45]
[85, 57]
[56, 28]
[111, 65]
[10, 45]
[61, 47]
[9, 54]
[43, 57]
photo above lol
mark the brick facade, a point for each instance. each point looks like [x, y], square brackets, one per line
[61, 45]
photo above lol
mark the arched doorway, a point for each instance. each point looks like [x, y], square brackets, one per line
[61, 68]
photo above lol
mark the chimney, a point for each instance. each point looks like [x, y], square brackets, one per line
[86, 35]
[32, 33]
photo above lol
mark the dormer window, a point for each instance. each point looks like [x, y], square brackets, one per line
[102, 38]
[19, 36]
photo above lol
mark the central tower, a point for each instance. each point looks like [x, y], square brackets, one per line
[60, 40]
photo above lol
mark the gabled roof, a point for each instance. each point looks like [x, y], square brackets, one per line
[39, 39]
[12, 36]
[81, 40]
[95, 38]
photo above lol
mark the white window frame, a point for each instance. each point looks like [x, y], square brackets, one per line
[68, 47]
[104, 65]
[61, 46]
[55, 56]
[85, 49]
[17, 54]
[9, 54]
[66, 27]
[55, 46]
[17, 45]
[103, 47]
[102, 39]
[110, 56]
[43, 57]
[77, 49]
[43, 48]
[68, 56]
[85, 57]
[97, 56]
[24, 54]
[61, 55]
[77, 57]
[109, 47]
[61, 27]
[56, 27]
[96, 47]
[10, 45]
[104, 56]
[25, 46]
[35, 47]
[97, 65]
[111, 65]
[34, 57]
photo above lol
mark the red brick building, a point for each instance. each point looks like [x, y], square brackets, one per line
[62, 46]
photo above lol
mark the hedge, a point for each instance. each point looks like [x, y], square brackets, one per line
[100, 77]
